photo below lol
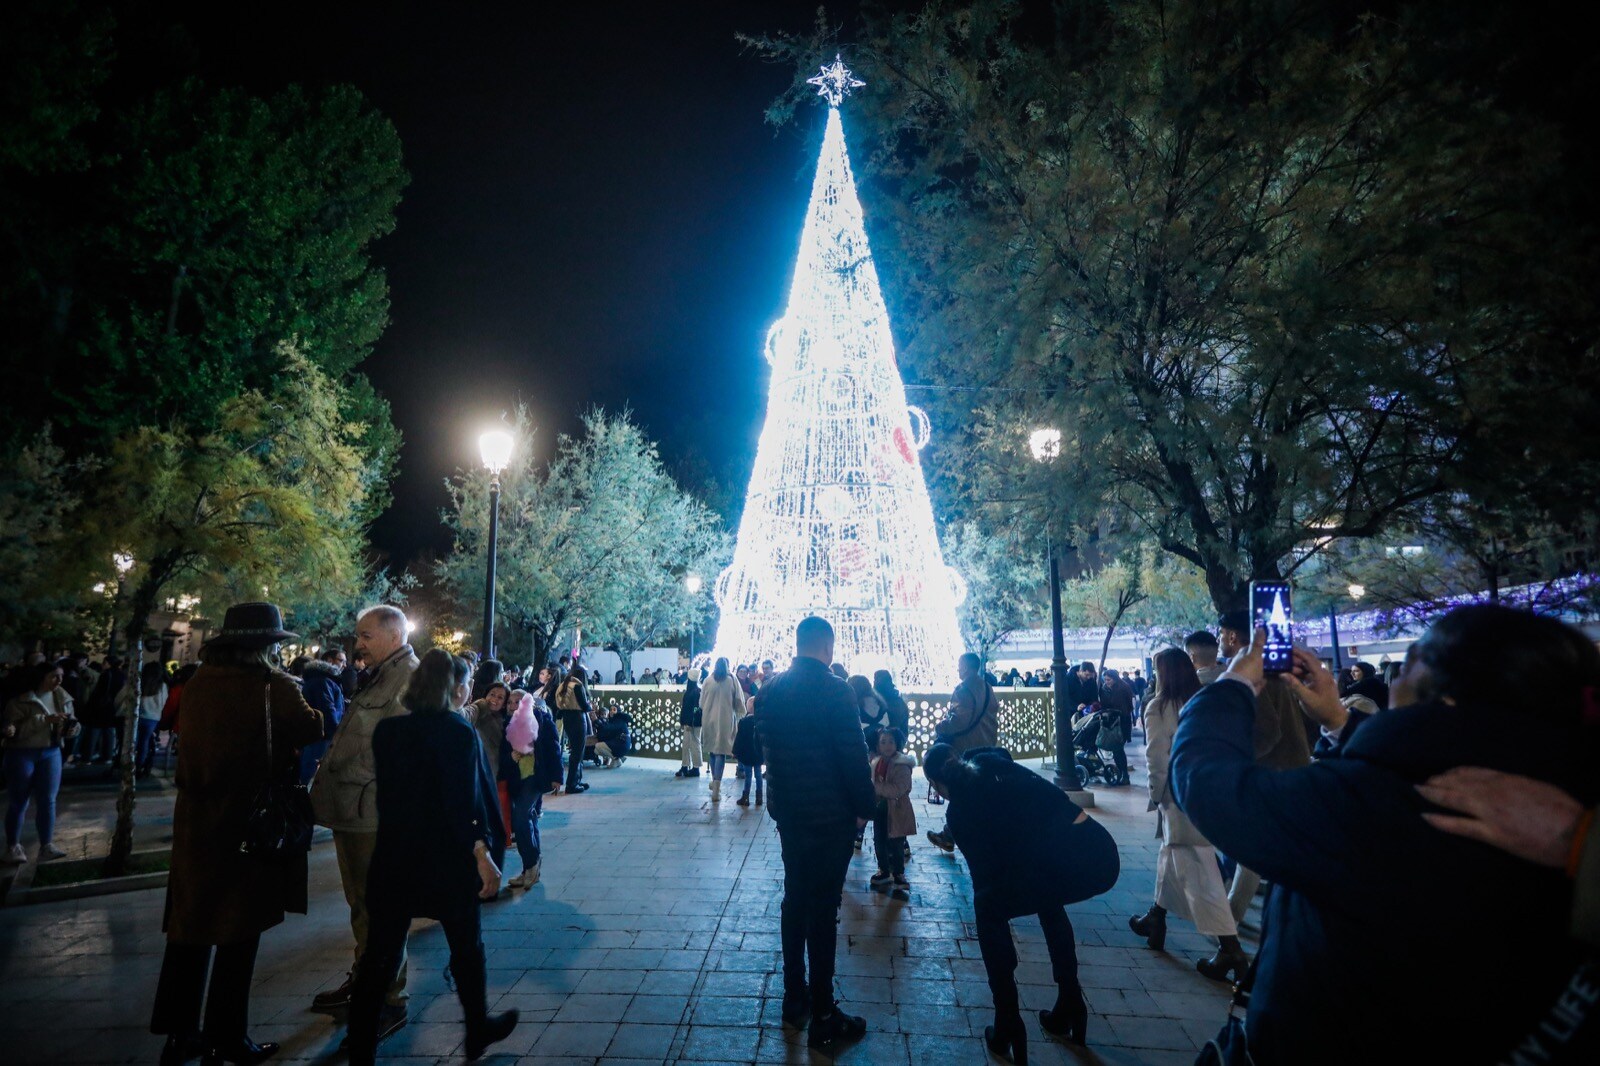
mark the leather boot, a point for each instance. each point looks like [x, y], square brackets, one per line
[1152, 925]
[1230, 958]
[1069, 1018]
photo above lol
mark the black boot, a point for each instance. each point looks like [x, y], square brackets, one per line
[180, 1049]
[493, 1029]
[1069, 1018]
[833, 1026]
[1152, 925]
[243, 1051]
[1007, 1037]
[1230, 958]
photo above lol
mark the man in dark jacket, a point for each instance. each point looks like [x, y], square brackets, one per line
[820, 794]
[1370, 904]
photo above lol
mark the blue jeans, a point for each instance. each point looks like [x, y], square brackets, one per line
[749, 774]
[310, 756]
[144, 745]
[32, 773]
[717, 763]
[527, 803]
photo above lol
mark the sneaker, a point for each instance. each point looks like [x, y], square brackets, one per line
[940, 841]
[834, 1026]
[50, 851]
[16, 856]
[695, 772]
[683, 771]
[334, 997]
[880, 879]
[902, 889]
[581, 786]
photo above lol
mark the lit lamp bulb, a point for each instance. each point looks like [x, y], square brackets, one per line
[1045, 444]
[1357, 591]
[693, 584]
[495, 447]
[123, 562]
[411, 627]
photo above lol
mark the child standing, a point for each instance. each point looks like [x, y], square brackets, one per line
[747, 749]
[896, 819]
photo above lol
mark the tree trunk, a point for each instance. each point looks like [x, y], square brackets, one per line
[116, 863]
[626, 656]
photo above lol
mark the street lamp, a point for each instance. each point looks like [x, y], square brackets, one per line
[1045, 444]
[1356, 591]
[694, 585]
[495, 447]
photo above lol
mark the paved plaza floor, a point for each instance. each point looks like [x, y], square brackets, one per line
[653, 938]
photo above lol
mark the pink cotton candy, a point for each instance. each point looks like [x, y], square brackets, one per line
[523, 729]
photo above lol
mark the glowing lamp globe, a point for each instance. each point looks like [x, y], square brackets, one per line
[495, 447]
[693, 584]
[1045, 444]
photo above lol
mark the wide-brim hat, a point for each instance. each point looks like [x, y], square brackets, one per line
[252, 625]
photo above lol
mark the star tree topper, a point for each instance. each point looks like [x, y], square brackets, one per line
[835, 82]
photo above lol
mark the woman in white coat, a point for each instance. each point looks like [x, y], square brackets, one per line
[721, 707]
[1188, 883]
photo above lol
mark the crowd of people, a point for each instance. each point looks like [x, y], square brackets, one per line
[1388, 818]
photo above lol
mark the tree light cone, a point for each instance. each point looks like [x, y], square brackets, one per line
[837, 521]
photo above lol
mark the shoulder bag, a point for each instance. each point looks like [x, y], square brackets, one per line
[281, 822]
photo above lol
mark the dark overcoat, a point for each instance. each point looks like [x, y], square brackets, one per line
[434, 804]
[1024, 846]
[215, 895]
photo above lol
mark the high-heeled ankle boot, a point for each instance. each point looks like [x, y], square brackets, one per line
[491, 1030]
[1230, 958]
[1069, 1018]
[1152, 925]
[1008, 1037]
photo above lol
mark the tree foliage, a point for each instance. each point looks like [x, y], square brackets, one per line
[1282, 274]
[1006, 583]
[596, 539]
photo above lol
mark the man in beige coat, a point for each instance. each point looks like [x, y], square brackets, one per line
[345, 793]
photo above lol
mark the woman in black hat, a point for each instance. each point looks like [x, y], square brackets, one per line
[217, 897]
[1030, 850]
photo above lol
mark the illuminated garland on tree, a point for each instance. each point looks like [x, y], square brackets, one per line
[837, 520]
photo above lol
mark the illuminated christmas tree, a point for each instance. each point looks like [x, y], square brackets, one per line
[837, 520]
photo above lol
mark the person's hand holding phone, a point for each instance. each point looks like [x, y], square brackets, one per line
[1318, 691]
[1246, 666]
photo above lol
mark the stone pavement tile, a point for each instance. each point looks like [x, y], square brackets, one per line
[553, 982]
[930, 993]
[725, 1010]
[616, 982]
[733, 983]
[854, 989]
[715, 1043]
[655, 1010]
[863, 965]
[593, 1007]
[1158, 1033]
[1185, 1006]
[652, 1042]
[575, 1040]
[918, 1020]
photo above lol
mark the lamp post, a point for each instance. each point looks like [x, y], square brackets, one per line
[694, 585]
[1045, 444]
[495, 447]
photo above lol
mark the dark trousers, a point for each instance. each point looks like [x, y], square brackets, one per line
[815, 860]
[891, 851]
[386, 937]
[1000, 954]
[182, 987]
[1119, 756]
[527, 802]
[572, 723]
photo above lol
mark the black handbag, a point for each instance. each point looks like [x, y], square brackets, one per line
[281, 821]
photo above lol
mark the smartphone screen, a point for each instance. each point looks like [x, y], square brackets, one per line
[1272, 609]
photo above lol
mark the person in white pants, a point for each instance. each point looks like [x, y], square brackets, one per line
[689, 718]
[1188, 880]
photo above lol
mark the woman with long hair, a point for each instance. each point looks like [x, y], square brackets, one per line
[36, 722]
[1188, 882]
[721, 707]
[1030, 850]
[691, 719]
[243, 720]
[432, 857]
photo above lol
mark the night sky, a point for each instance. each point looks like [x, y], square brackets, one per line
[597, 214]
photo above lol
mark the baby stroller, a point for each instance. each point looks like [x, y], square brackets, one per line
[1093, 763]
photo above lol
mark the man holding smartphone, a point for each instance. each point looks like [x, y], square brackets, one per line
[1280, 737]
